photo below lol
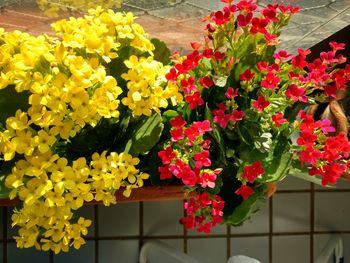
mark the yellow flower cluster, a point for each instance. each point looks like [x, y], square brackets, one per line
[69, 84]
[53, 7]
[146, 82]
[51, 190]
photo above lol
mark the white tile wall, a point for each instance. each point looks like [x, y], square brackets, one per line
[162, 218]
[293, 183]
[258, 223]
[255, 247]
[291, 249]
[291, 212]
[118, 251]
[211, 250]
[119, 220]
[85, 254]
[157, 256]
[332, 211]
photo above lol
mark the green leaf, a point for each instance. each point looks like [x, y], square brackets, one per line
[248, 207]
[282, 164]
[281, 161]
[161, 51]
[263, 142]
[11, 101]
[216, 134]
[5, 170]
[220, 81]
[4, 191]
[140, 138]
[168, 115]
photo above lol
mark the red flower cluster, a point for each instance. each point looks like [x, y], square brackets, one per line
[250, 173]
[203, 212]
[177, 163]
[327, 155]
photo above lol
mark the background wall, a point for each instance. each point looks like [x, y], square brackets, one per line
[293, 227]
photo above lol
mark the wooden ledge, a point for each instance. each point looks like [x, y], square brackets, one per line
[145, 193]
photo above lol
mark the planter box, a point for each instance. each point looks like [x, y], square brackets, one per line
[146, 193]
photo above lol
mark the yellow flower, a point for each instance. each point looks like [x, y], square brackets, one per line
[19, 122]
[44, 141]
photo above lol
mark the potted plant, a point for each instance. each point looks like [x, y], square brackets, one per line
[100, 108]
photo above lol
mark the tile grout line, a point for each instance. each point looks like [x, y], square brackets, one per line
[141, 230]
[51, 257]
[96, 234]
[270, 228]
[228, 233]
[312, 221]
[4, 220]
[185, 243]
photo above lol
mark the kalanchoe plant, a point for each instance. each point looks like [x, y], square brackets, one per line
[77, 113]
[243, 104]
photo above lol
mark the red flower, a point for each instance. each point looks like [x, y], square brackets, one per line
[328, 57]
[307, 137]
[220, 116]
[332, 172]
[330, 91]
[219, 56]
[202, 159]
[278, 119]
[177, 122]
[191, 133]
[176, 134]
[243, 20]
[336, 46]
[207, 180]
[165, 173]
[261, 103]
[245, 5]
[208, 53]
[262, 66]
[271, 39]
[245, 191]
[237, 115]
[206, 82]
[202, 126]
[259, 25]
[246, 75]
[251, 172]
[296, 94]
[270, 81]
[290, 9]
[172, 75]
[188, 85]
[270, 12]
[309, 155]
[281, 55]
[167, 155]
[221, 18]
[194, 100]
[231, 93]
[325, 126]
